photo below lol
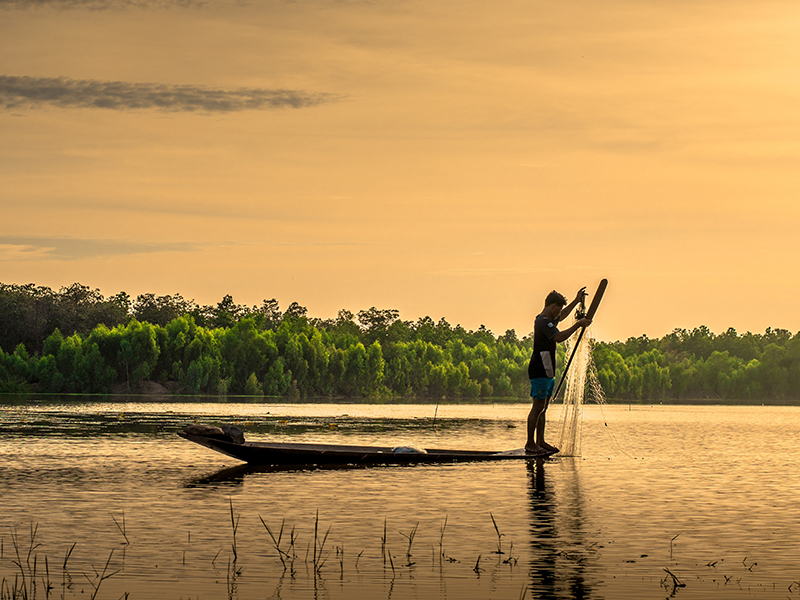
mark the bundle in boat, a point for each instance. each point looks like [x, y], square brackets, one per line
[226, 433]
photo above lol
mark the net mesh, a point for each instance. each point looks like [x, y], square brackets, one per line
[582, 386]
[574, 392]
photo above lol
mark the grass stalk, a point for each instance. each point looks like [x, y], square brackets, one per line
[276, 541]
[477, 567]
[320, 559]
[383, 542]
[670, 545]
[441, 539]
[316, 528]
[410, 537]
[676, 583]
[101, 577]
[391, 562]
[64, 572]
[46, 580]
[18, 562]
[122, 527]
[234, 527]
[499, 536]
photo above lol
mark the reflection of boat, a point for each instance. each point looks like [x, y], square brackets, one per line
[232, 476]
[279, 453]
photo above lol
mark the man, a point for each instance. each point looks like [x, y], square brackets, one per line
[542, 368]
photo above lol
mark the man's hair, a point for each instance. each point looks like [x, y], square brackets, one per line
[555, 298]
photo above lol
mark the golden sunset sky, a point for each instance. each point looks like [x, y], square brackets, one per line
[456, 159]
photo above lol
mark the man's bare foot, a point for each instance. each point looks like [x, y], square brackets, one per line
[548, 447]
[534, 449]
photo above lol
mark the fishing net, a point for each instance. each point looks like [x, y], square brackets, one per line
[582, 386]
[575, 390]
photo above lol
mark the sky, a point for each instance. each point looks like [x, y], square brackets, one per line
[454, 159]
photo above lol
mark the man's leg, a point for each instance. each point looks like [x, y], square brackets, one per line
[535, 424]
[545, 392]
[540, 428]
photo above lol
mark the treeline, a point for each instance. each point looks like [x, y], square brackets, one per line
[76, 341]
[699, 364]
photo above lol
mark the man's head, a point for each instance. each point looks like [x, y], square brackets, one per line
[555, 298]
[553, 305]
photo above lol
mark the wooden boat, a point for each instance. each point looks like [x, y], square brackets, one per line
[282, 453]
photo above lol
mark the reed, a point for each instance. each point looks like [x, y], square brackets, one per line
[276, 541]
[441, 539]
[48, 586]
[234, 528]
[391, 562]
[499, 536]
[231, 576]
[442, 554]
[101, 577]
[477, 567]
[676, 583]
[340, 556]
[410, 537]
[670, 545]
[214, 560]
[383, 542]
[64, 573]
[511, 560]
[319, 547]
[25, 571]
[122, 527]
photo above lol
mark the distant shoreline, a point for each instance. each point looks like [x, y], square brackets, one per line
[160, 391]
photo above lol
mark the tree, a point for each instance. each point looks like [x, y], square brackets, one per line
[227, 313]
[375, 323]
[268, 315]
[375, 366]
[295, 311]
[75, 305]
[161, 310]
[245, 350]
[138, 353]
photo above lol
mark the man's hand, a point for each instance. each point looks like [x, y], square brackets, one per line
[583, 322]
[581, 294]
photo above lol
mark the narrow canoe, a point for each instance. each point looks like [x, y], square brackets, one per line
[280, 453]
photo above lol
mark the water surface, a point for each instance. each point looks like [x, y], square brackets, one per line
[708, 493]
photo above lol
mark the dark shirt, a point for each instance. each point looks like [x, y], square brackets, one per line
[544, 330]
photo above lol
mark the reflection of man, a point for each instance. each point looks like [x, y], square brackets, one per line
[542, 368]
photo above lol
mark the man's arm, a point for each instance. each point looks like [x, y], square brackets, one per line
[568, 308]
[564, 335]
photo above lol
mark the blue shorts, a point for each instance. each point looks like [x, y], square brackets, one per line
[542, 387]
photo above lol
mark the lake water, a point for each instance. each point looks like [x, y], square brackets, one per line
[709, 493]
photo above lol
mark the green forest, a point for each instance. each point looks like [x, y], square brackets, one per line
[74, 340]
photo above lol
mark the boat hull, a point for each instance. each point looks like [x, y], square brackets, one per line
[281, 453]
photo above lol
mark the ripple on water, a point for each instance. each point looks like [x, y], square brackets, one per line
[652, 479]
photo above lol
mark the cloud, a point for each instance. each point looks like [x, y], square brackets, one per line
[32, 248]
[97, 4]
[32, 92]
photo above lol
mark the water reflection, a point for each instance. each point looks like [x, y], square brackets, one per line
[559, 552]
[236, 475]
